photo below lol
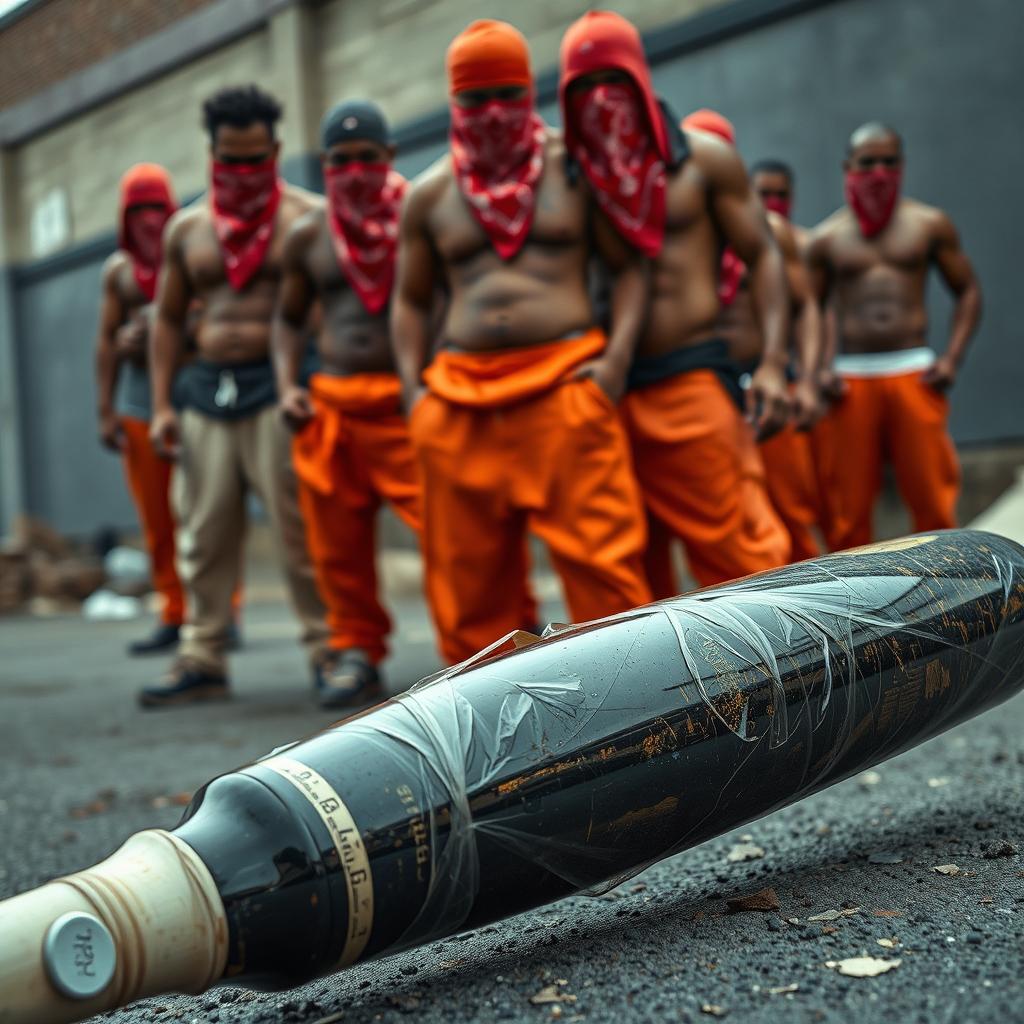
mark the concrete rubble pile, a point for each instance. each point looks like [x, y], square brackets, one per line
[42, 571]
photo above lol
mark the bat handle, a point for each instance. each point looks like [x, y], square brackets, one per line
[145, 921]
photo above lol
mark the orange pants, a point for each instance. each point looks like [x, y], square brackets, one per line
[661, 573]
[899, 418]
[351, 458]
[819, 440]
[793, 488]
[509, 441]
[149, 478]
[701, 475]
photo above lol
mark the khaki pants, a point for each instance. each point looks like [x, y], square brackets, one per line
[221, 460]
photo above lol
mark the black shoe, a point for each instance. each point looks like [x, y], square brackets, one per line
[347, 679]
[163, 639]
[234, 638]
[185, 684]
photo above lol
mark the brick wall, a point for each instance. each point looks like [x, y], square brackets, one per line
[59, 37]
[392, 50]
[159, 122]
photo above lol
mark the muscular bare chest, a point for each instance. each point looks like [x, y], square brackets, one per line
[905, 248]
[559, 219]
[692, 242]
[690, 254]
[686, 200]
[204, 259]
[322, 264]
[346, 318]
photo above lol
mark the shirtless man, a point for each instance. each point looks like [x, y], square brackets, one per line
[226, 251]
[514, 421]
[128, 286]
[351, 449]
[773, 181]
[680, 199]
[888, 388]
[789, 466]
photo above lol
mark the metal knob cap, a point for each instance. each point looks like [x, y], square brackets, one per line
[79, 955]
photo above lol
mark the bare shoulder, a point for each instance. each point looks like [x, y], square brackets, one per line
[426, 190]
[184, 223]
[301, 197]
[188, 218]
[821, 236]
[303, 231]
[296, 202]
[934, 220]
[783, 233]
[113, 265]
[915, 208]
[719, 162]
[311, 220]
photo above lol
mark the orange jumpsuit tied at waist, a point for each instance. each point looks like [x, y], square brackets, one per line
[350, 459]
[895, 417]
[510, 441]
[702, 477]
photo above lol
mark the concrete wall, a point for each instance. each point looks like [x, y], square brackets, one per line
[941, 70]
[71, 482]
[308, 56]
[947, 75]
[944, 73]
[158, 123]
[395, 48]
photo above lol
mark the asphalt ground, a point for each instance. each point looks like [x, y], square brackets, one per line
[81, 768]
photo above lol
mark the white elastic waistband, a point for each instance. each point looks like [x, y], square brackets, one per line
[884, 364]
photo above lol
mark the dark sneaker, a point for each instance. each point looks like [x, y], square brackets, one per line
[163, 639]
[233, 641]
[185, 683]
[347, 679]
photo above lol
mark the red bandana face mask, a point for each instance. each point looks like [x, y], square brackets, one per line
[244, 199]
[618, 155]
[143, 234]
[778, 204]
[498, 153]
[872, 195]
[363, 206]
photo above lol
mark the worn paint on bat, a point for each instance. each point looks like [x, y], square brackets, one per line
[569, 763]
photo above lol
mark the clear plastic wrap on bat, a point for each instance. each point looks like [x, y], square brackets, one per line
[550, 766]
